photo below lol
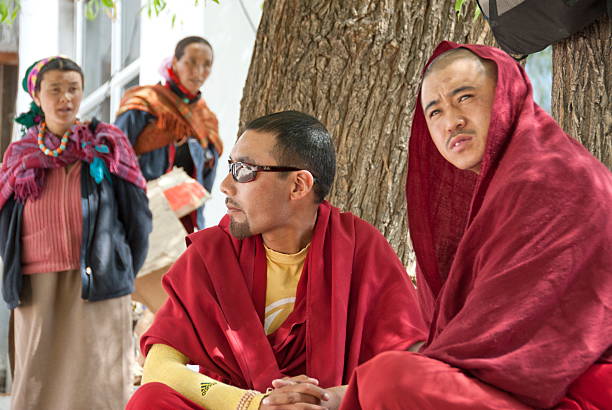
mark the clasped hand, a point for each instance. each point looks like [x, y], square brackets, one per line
[302, 393]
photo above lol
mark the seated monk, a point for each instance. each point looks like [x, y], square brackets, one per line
[512, 229]
[285, 286]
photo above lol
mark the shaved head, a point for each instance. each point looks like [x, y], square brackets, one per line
[447, 58]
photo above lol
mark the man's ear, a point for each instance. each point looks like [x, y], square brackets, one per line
[174, 62]
[303, 184]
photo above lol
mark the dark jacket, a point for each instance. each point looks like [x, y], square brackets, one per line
[116, 227]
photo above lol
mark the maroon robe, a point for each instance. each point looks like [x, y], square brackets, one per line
[514, 264]
[354, 300]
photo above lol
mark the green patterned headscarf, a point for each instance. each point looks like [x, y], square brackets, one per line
[34, 115]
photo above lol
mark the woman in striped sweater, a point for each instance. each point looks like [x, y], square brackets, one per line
[74, 225]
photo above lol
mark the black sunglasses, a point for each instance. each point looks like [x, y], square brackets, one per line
[244, 172]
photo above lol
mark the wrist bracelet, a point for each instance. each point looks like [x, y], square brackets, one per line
[246, 399]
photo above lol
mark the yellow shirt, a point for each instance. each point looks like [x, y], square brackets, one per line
[284, 271]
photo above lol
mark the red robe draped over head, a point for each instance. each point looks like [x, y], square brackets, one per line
[514, 264]
[354, 300]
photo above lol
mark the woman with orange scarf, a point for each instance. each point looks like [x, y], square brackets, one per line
[170, 125]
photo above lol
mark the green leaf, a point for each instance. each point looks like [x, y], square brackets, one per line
[159, 6]
[476, 14]
[108, 3]
[458, 4]
[92, 9]
[3, 11]
[173, 19]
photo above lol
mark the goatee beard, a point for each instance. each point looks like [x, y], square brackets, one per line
[240, 230]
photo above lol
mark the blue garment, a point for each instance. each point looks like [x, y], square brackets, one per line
[10, 251]
[154, 164]
[116, 223]
[204, 175]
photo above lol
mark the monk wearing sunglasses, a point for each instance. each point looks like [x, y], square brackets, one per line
[286, 293]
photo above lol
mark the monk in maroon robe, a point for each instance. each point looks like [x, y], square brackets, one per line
[353, 299]
[511, 221]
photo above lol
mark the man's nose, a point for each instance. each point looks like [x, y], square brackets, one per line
[456, 121]
[227, 185]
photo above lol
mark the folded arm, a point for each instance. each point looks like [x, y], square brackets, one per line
[167, 365]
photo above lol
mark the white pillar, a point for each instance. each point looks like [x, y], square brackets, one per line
[38, 38]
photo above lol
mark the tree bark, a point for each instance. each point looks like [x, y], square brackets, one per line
[8, 82]
[356, 65]
[582, 88]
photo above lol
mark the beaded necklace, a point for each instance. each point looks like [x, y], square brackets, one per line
[41, 142]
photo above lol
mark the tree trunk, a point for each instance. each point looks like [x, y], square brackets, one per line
[9, 79]
[582, 88]
[356, 65]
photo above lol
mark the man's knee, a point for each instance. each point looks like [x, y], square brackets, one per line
[383, 377]
[157, 396]
[402, 369]
[144, 396]
[399, 380]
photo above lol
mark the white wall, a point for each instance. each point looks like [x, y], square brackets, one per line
[38, 38]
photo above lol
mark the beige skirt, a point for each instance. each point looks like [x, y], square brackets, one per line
[70, 354]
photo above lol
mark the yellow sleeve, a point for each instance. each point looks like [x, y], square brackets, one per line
[167, 365]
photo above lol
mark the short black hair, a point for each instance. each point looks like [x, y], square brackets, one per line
[302, 141]
[62, 64]
[179, 50]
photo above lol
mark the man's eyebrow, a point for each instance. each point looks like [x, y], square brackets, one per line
[461, 89]
[450, 94]
[431, 103]
[242, 159]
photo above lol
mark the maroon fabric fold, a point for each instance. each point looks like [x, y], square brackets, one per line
[354, 300]
[514, 264]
